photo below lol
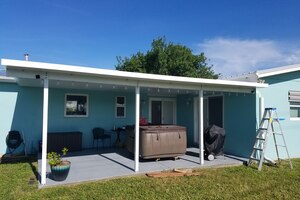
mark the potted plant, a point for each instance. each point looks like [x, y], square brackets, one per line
[59, 168]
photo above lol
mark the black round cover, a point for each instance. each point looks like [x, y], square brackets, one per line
[13, 139]
[214, 138]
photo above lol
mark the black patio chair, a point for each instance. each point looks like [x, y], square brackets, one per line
[13, 141]
[99, 134]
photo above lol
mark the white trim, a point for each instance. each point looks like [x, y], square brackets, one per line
[261, 107]
[122, 106]
[78, 70]
[45, 131]
[277, 70]
[6, 79]
[87, 105]
[201, 137]
[295, 118]
[254, 76]
[162, 99]
[293, 106]
[137, 129]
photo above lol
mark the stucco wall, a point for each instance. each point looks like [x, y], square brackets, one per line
[21, 109]
[101, 113]
[239, 123]
[276, 95]
[185, 115]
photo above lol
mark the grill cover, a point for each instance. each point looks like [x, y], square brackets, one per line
[214, 138]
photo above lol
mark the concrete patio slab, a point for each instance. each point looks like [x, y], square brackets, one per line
[92, 164]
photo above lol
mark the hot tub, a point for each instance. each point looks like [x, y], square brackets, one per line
[159, 141]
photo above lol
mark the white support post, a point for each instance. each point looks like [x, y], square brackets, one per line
[45, 132]
[261, 107]
[201, 138]
[137, 128]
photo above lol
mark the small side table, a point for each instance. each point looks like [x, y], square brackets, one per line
[118, 131]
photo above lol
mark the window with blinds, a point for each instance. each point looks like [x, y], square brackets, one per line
[294, 99]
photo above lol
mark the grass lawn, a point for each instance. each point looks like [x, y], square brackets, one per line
[222, 183]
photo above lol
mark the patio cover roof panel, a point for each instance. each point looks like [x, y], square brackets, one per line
[18, 68]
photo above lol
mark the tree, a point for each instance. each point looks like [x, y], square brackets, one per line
[168, 59]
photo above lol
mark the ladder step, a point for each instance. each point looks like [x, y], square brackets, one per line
[262, 134]
[270, 108]
[279, 119]
[280, 145]
[263, 129]
[278, 133]
[252, 158]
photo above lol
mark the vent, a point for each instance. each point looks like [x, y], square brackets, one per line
[294, 96]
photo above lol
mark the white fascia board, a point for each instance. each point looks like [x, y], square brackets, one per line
[278, 70]
[6, 79]
[49, 67]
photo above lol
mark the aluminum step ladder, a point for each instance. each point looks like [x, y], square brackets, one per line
[266, 127]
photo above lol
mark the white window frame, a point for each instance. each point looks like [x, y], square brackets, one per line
[293, 106]
[120, 106]
[291, 102]
[87, 105]
[163, 99]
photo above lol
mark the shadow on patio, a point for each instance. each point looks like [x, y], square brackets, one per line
[92, 164]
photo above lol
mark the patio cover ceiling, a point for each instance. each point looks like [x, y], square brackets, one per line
[28, 73]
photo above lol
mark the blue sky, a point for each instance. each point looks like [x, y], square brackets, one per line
[236, 35]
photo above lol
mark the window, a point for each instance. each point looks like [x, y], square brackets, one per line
[294, 99]
[76, 105]
[120, 107]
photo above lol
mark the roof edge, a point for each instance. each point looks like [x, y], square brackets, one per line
[278, 70]
[123, 74]
[6, 79]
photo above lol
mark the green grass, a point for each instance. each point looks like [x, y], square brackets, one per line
[222, 183]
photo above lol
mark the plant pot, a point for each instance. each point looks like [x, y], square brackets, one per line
[60, 172]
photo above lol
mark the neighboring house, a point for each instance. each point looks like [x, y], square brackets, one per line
[283, 93]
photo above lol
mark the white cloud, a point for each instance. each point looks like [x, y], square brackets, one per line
[236, 56]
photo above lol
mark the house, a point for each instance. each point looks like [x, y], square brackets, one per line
[283, 93]
[37, 98]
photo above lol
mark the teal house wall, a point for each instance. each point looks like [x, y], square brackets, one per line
[21, 109]
[239, 123]
[101, 113]
[276, 95]
[185, 116]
